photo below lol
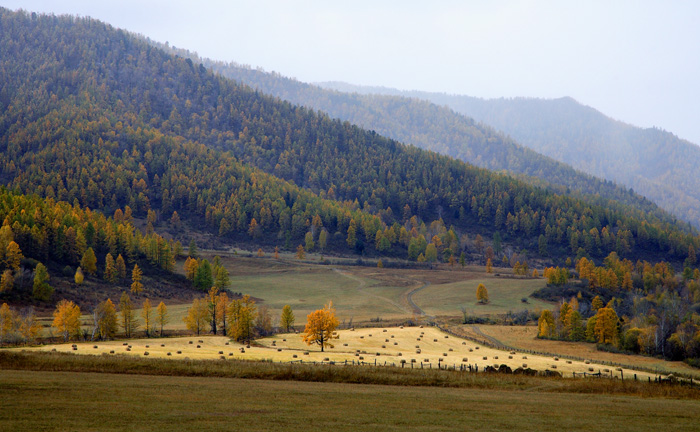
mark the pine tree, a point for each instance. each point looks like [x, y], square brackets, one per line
[13, 256]
[7, 281]
[126, 309]
[106, 314]
[197, 317]
[192, 250]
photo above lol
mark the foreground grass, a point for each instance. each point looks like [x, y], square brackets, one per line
[121, 364]
[87, 401]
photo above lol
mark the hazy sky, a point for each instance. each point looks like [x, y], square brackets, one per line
[637, 61]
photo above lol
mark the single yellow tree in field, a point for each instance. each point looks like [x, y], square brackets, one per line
[79, 277]
[320, 327]
[66, 318]
[482, 294]
[489, 266]
[300, 252]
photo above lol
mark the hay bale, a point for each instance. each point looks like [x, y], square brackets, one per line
[471, 350]
[190, 342]
[400, 354]
[378, 354]
[554, 366]
[450, 350]
[510, 357]
[486, 358]
[384, 330]
[383, 346]
[169, 354]
[434, 340]
[146, 353]
[162, 345]
[242, 351]
[426, 360]
[222, 357]
[418, 351]
[524, 357]
[362, 337]
[556, 358]
[111, 351]
[306, 353]
[221, 352]
[228, 343]
[464, 343]
[568, 362]
[200, 341]
[199, 346]
[413, 360]
[94, 346]
[284, 340]
[279, 349]
[421, 327]
[587, 362]
[147, 346]
[590, 369]
[476, 347]
[525, 365]
[294, 356]
[357, 354]
[179, 352]
[392, 336]
[495, 357]
[362, 358]
[464, 360]
[396, 343]
[447, 337]
[230, 354]
[444, 354]
[127, 348]
[125, 344]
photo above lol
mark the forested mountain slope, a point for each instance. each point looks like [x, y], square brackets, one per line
[95, 115]
[436, 128]
[653, 162]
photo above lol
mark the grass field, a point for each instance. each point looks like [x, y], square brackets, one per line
[389, 346]
[524, 338]
[86, 401]
[363, 293]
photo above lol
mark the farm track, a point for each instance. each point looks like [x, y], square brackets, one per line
[409, 298]
[361, 285]
[491, 339]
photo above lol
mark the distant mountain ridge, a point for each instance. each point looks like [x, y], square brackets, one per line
[435, 128]
[651, 161]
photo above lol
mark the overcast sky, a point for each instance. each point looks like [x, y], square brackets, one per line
[637, 61]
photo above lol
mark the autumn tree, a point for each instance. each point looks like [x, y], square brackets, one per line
[241, 316]
[66, 319]
[489, 266]
[79, 277]
[41, 288]
[222, 305]
[106, 319]
[309, 241]
[263, 322]
[121, 267]
[596, 303]
[545, 324]
[300, 252]
[197, 318]
[7, 281]
[320, 327]
[89, 262]
[162, 317]
[147, 314]
[126, 309]
[222, 280]
[110, 273]
[605, 329]
[323, 239]
[191, 265]
[13, 256]
[287, 318]
[212, 302]
[136, 275]
[482, 295]
[203, 279]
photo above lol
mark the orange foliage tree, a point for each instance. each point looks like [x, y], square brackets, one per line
[320, 327]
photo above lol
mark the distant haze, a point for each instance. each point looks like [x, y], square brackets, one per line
[637, 61]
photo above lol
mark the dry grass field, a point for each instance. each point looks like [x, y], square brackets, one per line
[523, 337]
[415, 347]
[79, 401]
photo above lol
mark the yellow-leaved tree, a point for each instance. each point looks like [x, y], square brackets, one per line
[606, 325]
[241, 318]
[545, 324]
[106, 319]
[287, 318]
[482, 294]
[136, 275]
[197, 319]
[147, 314]
[320, 327]
[162, 317]
[66, 319]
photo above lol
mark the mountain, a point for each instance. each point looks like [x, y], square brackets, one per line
[96, 116]
[653, 162]
[436, 128]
